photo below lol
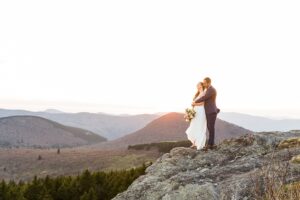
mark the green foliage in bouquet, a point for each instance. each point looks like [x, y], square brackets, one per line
[190, 113]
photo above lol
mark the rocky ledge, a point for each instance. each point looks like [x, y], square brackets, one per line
[239, 168]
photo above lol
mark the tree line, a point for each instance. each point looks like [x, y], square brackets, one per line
[85, 186]
[163, 147]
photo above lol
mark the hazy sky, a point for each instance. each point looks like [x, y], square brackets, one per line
[147, 56]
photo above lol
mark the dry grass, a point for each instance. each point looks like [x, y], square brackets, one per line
[271, 183]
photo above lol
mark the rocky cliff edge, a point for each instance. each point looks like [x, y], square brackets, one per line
[237, 169]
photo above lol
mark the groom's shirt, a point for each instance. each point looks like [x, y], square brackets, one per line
[209, 100]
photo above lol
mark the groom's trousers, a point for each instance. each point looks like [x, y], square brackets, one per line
[211, 120]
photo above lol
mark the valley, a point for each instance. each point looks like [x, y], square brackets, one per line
[24, 163]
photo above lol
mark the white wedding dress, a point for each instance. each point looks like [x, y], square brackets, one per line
[196, 132]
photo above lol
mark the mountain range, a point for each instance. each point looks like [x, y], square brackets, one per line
[259, 124]
[115, 126]
[124, 130]
[105, 125]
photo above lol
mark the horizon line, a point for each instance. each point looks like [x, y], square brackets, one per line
[57, 111]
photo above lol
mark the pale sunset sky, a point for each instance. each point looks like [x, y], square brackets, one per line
[147, 56]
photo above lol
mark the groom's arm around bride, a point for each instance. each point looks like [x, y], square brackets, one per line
[210, 100]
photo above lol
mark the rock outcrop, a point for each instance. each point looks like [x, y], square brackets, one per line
[227, 172]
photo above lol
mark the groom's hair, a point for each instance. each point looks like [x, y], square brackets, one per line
[208, 80]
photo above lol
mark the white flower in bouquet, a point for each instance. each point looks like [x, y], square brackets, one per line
[189, 114]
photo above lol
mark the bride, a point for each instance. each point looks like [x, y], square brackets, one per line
[196, 132]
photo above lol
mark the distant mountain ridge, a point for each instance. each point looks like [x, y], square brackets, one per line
[106, 125]
[171, 127]
[52, 111]
[32, 131]
[258, 124]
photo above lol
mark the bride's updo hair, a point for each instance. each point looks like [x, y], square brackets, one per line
[197, 93]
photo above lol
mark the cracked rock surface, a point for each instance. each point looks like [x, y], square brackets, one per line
[222, 173]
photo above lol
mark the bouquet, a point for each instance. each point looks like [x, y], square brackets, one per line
[189, 114]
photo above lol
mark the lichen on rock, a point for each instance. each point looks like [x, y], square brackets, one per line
[296, 159]
[290, 142]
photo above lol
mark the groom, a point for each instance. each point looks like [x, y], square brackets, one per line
[211, 110]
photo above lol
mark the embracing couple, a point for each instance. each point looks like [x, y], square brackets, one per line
[204, 103]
